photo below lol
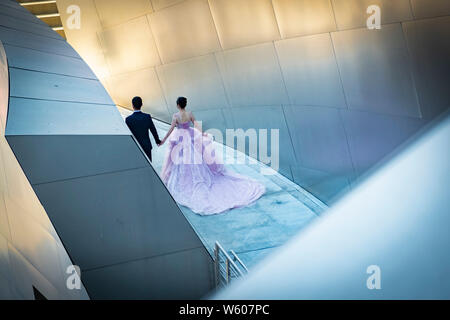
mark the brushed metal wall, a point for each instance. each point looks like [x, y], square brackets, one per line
[347, 96]
[84, 174]
[31, 252]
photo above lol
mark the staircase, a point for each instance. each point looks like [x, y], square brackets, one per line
[227, 267]
[47, 11]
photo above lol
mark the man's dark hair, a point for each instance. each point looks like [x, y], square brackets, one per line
[182, 102]
[137, 103]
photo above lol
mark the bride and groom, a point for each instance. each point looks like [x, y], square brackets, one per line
[206, 186]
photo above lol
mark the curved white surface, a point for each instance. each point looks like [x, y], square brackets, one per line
[397, 220]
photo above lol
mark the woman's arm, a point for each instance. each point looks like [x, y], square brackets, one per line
[174, 123]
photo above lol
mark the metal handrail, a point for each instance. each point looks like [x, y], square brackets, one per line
[236, 258]
[225, 267]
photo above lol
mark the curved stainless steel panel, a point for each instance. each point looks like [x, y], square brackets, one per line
[205, 89]
[376, 72]
[325, 57]
[174, 35]
[31, 253]
[353, 13]
[27, 115]
[4, 92]
[125, 86]
[125, 45]
[252, 76]
[103, 196]
[429, 45]
[303, 17]
[427, 9]
[310, 71]
[243, 23]
[113, 12]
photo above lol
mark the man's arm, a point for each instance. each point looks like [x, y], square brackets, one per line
[172, 127]
[153, 131]
[127, 122]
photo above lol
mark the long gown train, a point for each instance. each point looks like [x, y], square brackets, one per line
[195, 179]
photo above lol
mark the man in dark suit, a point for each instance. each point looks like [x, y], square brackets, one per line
[139, 124]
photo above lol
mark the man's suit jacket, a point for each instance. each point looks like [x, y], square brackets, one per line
[139, 124]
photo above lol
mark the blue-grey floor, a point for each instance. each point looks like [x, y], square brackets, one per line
[254, 231]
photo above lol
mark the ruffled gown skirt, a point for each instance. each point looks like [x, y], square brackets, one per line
[197, 179]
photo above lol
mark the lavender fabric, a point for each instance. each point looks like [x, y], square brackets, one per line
[197, 178]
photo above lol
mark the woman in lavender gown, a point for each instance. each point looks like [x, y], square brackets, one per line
[193, 175]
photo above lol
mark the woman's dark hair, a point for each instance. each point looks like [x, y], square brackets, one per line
[182, 102]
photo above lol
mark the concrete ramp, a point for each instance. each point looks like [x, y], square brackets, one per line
[255, 231]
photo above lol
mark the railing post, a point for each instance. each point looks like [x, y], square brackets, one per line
[230, 265]
[227, 268]
[236, 258]
[216, 265]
